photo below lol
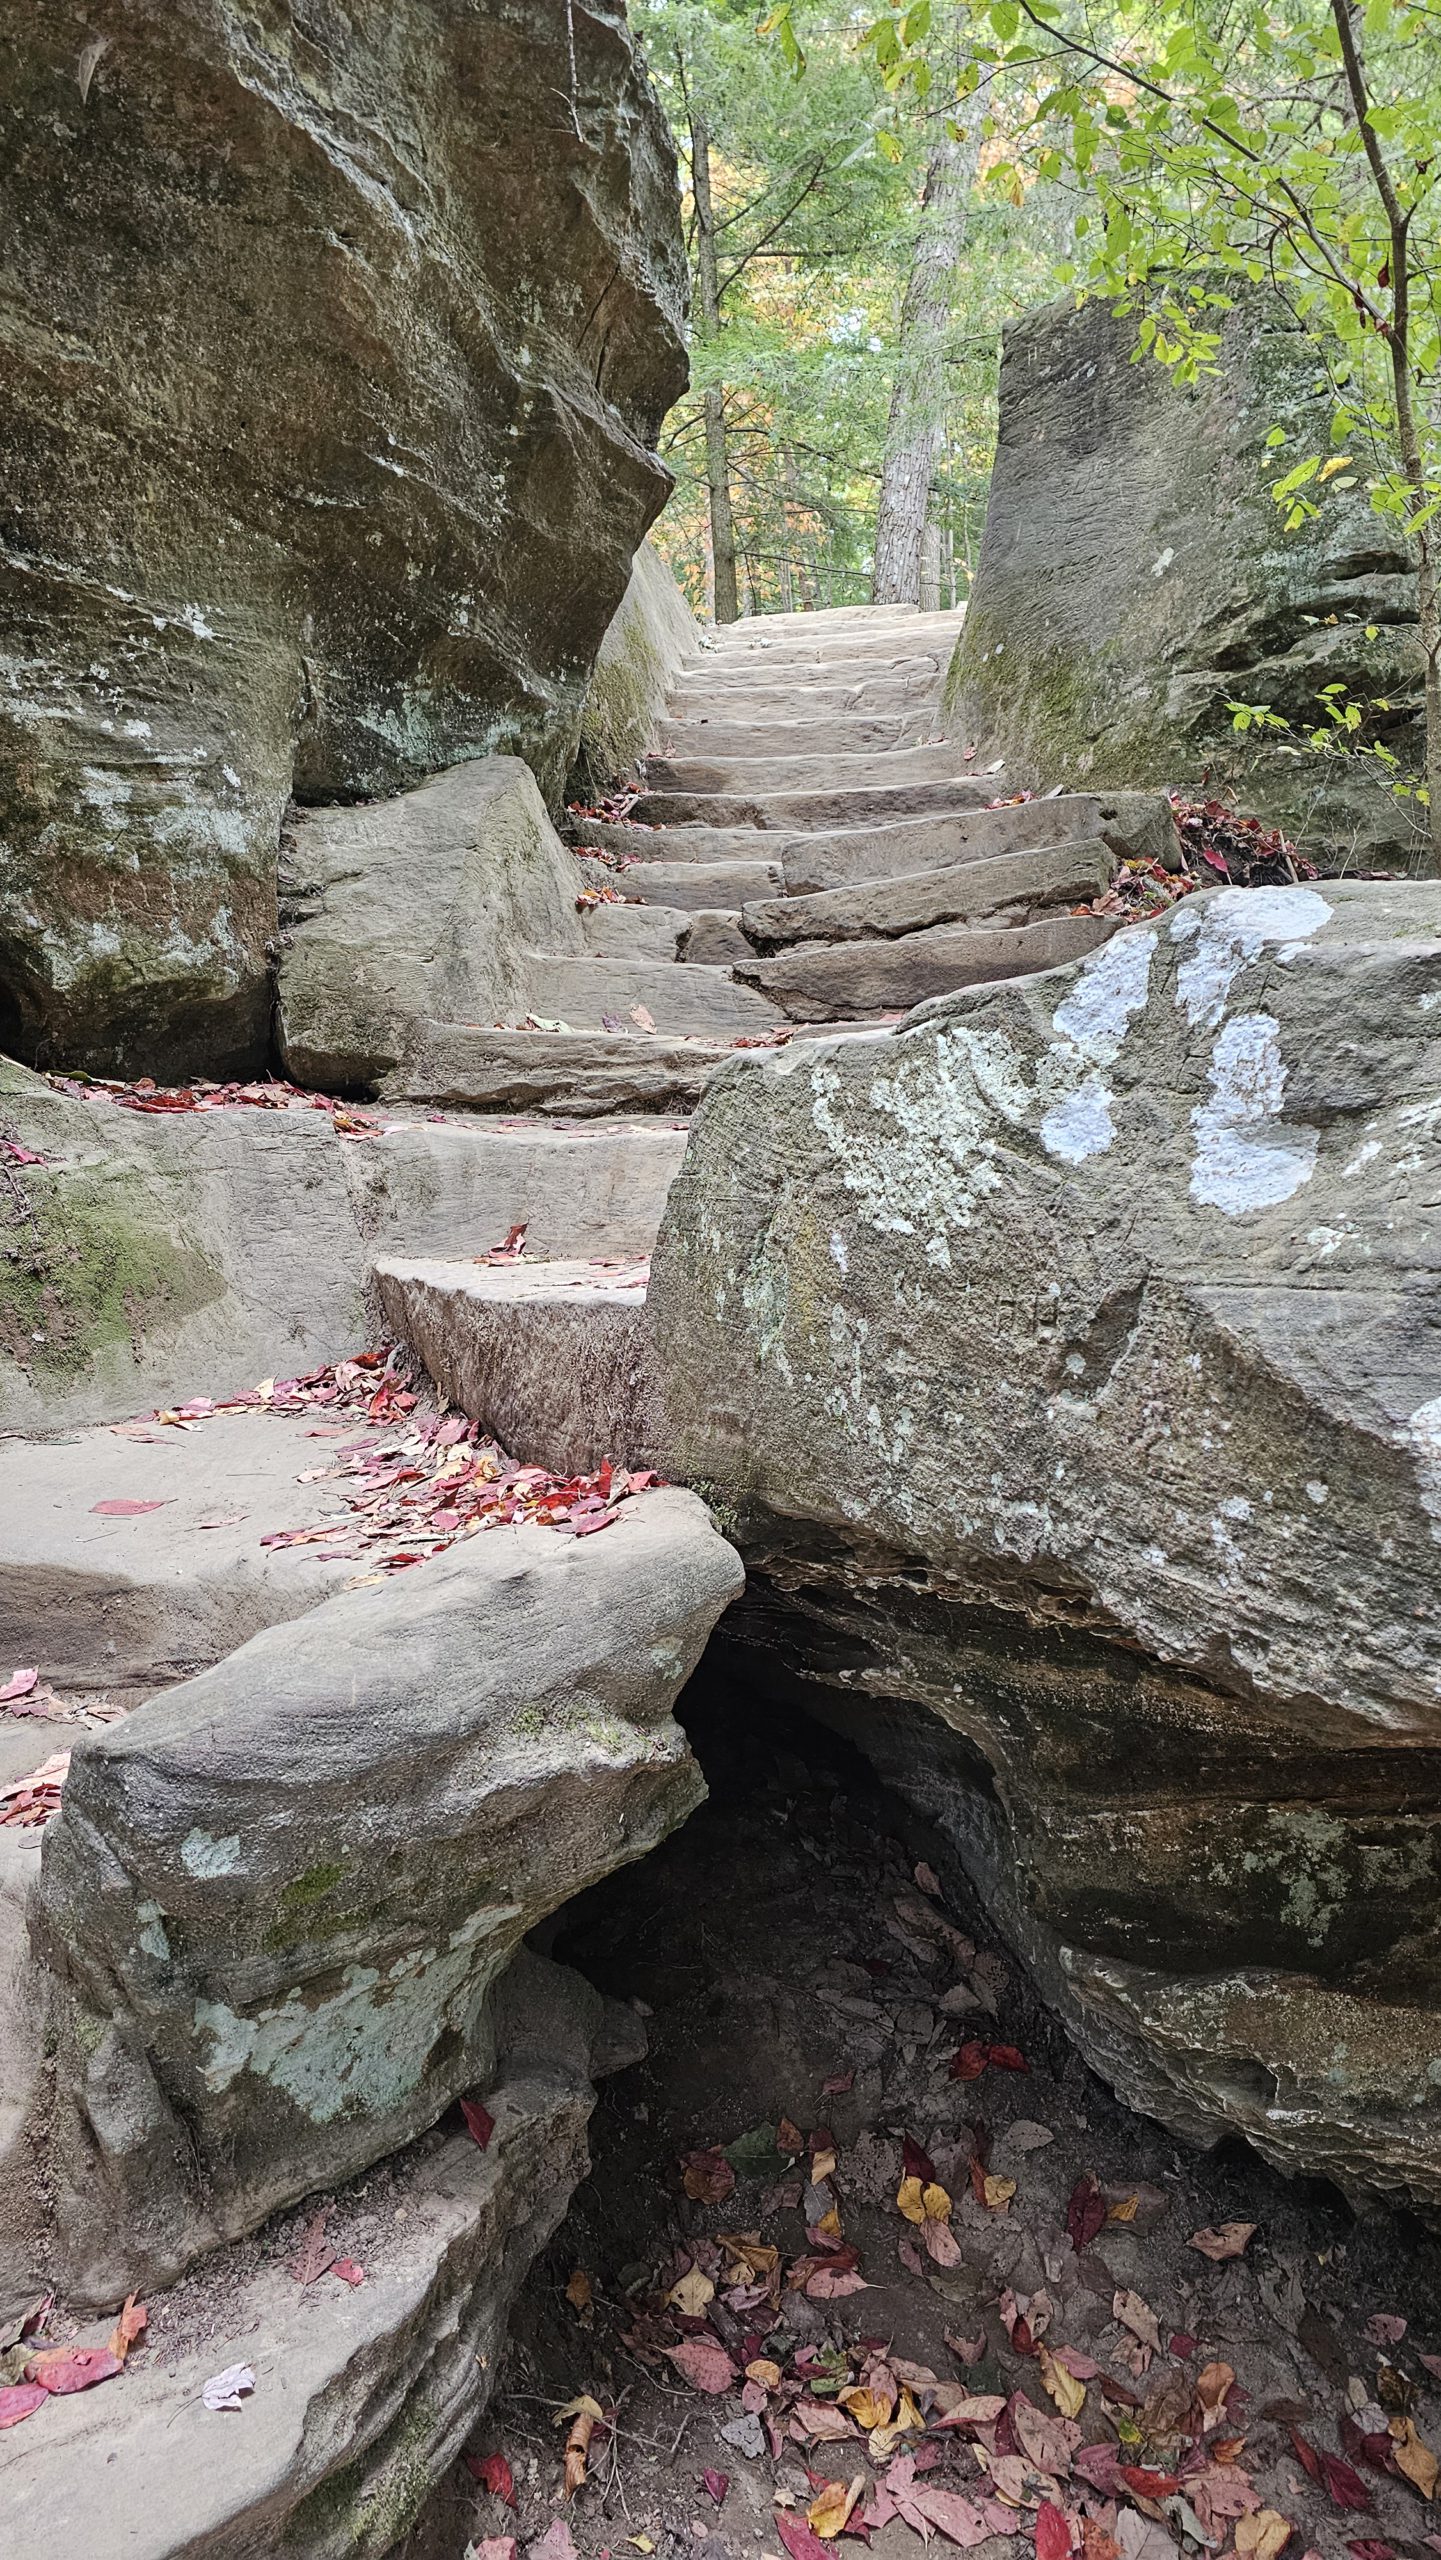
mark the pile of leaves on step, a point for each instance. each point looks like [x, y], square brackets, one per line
[606, 896]
[612, 811]
[602, 854]
[1141, 888]
[34, 2370]
[427, 1481]
[270, 1093]
[1243, 851]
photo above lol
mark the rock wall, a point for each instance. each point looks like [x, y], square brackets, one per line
[335, 349]
[652, 635]
[1135, 577]
[1068, 1364]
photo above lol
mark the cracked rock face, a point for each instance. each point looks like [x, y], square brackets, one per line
[276, 1897]
[336, 347]
[1136, 578]
[1071, 1361]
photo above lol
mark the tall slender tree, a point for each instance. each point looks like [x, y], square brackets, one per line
[915, 427]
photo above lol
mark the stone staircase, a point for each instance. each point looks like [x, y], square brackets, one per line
[808, 856]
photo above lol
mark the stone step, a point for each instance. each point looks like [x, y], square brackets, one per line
[579, 1075]
[828, 649]
[790, 812]
[1130, 822]
[804, 773]
[767, 735]
[864, 686]
[863, 631]
[646, 930]
[692, 1003]
[551, 1358]
[713, 938]
[856, 979]
[701, 883]
[1009, 887]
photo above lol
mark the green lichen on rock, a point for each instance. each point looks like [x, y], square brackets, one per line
[85, 1267]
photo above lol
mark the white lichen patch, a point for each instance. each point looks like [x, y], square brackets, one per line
[1230, 1171]
[200, 1855]
[1111, 985]
[1230, 930]
[1082, 1125]
[1423, 1432]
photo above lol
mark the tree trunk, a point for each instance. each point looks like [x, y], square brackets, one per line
[917, 397]
[930, 566]
[722, 521]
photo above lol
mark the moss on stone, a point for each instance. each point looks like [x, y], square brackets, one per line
[85, 1268]
[373, 2501]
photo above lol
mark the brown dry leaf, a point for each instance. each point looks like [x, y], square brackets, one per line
[692, 2293]
[1136, 2315]
[577, 2447]
[1226, 2240]
[822, 2167]
[768, 2375]
[940, 2243]
[753, 2256]
[868, 2408]
[1125, 2211]
[1263, 2535]
[829, 2225]
[315, 2254]
[1068, 2394]
[132, 2324]
[828, 2514]
[1212, 2384]
[1414, 2457]
[789, 2138]
[579, 2293]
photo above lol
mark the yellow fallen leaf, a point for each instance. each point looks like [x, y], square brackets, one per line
[1263, 2535]
[1125, 2211]
[753, 2255]
[830, 2512]
[829, 2225]
[578, 2292]
[999, 2192]
[868, 2408]
[768, 2375]
[908, 2415]
[640, 2541]
[1414, 2458]
[1068, 2394]
[908, 2197]
[692, 2293]
[822, 2167]
[938, 2204]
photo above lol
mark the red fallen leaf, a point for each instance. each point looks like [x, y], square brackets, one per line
[838, 2084]
[66, 2369]
[479, 2120]
[1148, 2484]
[1085, 2213]
[1372, 2550]
[493, 2472]
[707, 2175]
[500, 2546]
[716, 2484]
[970, 2060]
[1183, 2345]
[19, 1685]
[915, 2163]
[829, 2284]
[1374, 2451]
[20, 2400]
[1008, 2057]
[348, 2271]
[121, 1507]
[558, 2543]
[1053, 2533]
[1345, 2487]
[798, 2538]
[704, 2363]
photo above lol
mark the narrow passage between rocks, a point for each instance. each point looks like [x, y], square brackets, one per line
[1140, 2339]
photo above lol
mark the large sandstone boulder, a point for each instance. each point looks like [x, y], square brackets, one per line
[337, 348]
[1135, 577]
[653, 634]
[1068, 1364]
[430, 906]
[277, 1896]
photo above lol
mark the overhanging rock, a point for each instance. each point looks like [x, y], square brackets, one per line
[1068, 1363]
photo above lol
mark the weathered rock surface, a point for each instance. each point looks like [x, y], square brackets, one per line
[277, 1896]
[552, 1358]
[363, 2397]
[847, 981]
[580, 1074]
[1135, 578]
[1069, 1362]
[331, 353]
[1137, 823]
[154, 1256]
[430, 906]
[1008, 886]
[647, 643]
